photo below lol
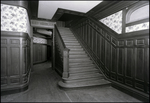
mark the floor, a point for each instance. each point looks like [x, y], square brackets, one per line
[43, 88]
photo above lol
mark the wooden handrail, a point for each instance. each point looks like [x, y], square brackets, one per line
[64, 53]
[60, 37]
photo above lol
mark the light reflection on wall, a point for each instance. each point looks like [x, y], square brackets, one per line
[39, 40]
[13, 18]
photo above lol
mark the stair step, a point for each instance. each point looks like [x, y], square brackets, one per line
[96, 79]
[87, 83]
[83, 64]
[74, 46]
[67, 36]
[71, 41]
[85, 75]
[78, 56]
[65, 32]
[82, 79]
[76, 49]
[86, 59]
[79, 60]
[80, 65]
[77, 52]
[83, 67]
[83, 70]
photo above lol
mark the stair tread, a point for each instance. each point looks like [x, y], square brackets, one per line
[84, 67]
[86, 63]
[83, 70]
[94, 72]
[85, 83]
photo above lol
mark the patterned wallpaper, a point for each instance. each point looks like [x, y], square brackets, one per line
[114, 22]
[39, 40]
[138, 27]
[13, 18]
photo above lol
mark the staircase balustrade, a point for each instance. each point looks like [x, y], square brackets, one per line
[64, 53]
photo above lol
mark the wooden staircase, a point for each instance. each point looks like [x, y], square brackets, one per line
[82, 70]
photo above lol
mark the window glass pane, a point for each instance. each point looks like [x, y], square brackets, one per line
[137, 27]
[114, 22]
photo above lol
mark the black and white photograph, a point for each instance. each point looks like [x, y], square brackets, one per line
[75, 51]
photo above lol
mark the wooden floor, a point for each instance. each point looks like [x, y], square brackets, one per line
[43, 88]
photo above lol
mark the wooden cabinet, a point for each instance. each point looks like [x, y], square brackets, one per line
[15, 60]
[39, 53]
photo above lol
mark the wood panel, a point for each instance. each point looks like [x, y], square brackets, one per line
[3, 61]
[139, 70]
[120, 60]
[14, 60]
[39, 53]
[129, 62]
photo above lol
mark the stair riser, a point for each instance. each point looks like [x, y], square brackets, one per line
[82, 71]
[72, 44]
[77, 56]
[68, 37]
[80, 65]
[84, 77]
[76, 53]
[81, 59]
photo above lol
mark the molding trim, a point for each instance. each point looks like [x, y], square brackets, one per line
[133, 8]
[60, 12]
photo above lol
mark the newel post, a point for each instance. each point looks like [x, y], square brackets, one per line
[65, 63]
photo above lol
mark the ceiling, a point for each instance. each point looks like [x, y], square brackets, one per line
[47, 9]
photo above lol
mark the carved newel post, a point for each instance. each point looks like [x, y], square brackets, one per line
[65, 63]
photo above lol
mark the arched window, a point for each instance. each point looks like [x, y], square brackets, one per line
[130, 19]
[137, 17]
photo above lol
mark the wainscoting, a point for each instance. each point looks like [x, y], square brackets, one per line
[39, 53]
[15, 60]
[122, 58]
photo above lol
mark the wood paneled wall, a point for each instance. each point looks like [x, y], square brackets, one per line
[60, 24]
[39, 53]
[15, 60]
[122, 59]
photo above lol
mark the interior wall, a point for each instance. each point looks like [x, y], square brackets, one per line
[121, 59]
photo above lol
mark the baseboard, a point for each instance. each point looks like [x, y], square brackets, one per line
[13, 91]
[130, 91]
[58, 71]
[17, 89]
